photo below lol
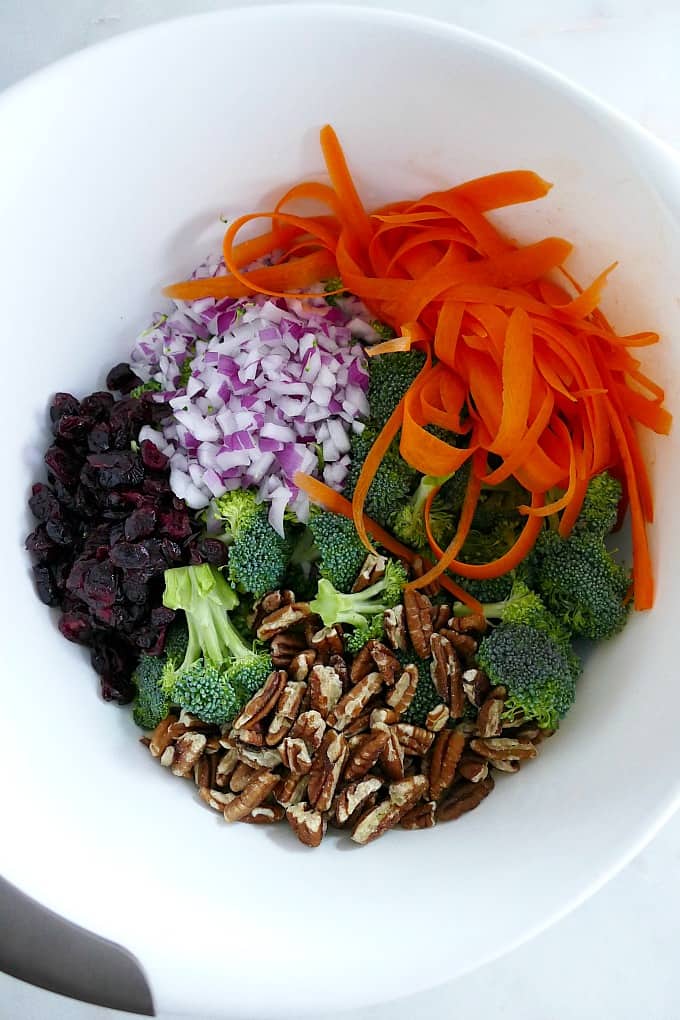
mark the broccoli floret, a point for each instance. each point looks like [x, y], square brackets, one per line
[393, 483]
[491, 589]
[358, 608]
[390, 377]
[538, 672]
[340, 551]
[409, 521]
[152, 386]
[582, 584]
[601, 505]
[151, 703]
[355, 641]
[176, 639]
[219, 672]
[334, 283]
[384, 331]
[258, 555]
[426, 696]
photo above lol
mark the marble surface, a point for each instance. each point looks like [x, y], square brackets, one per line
[617, 955]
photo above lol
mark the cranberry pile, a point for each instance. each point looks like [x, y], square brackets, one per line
[109, 526]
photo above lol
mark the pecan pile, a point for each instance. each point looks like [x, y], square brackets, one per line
[324, 742]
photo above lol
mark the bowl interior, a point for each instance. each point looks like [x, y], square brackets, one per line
[120, 162]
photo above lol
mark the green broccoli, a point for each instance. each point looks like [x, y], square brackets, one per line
[581, 583]
[152, 703]
[426, 696]
[491, 589]
[390, 375]
[375, 628]
[384, 331]
[339, 549]
[152, 386]
[393, 483]
[359, 608]
[258, 555]
[302, 579]
[219, 672]
[601, 505]
[409, 521]
[333, 283]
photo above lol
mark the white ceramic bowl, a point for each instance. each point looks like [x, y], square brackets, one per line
[116, 165]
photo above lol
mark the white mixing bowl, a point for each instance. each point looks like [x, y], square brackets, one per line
[116, 165]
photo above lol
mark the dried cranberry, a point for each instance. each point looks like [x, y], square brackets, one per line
[43, 503]
[156, 487]
[175, 524]
[149, 639]
[60, 532]
[152, 457]
[135, 589]
[44, 585]
[100, 585]
[63, 403]
[63, 466]
[99, 437]
[66, 499]
[40, 545]
[172, 551]
[97, 406]
[130, 555]
[161, 616]
[121, 378]
[76, 627]
[140, 524]
[117, 688]
[72, 428]
[211, 550]
[116, 468]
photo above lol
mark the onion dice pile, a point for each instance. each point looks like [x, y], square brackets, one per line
[276, 387]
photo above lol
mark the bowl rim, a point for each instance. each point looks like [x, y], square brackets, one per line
[659, 152]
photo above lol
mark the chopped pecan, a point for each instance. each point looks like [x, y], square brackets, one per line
[160, 738]
[216, 799]
[476, 686]
[226, 766]
[447, 674]
[467, 727]
[463, 798]
[363, 757]
[308, 824]
[300, 666]
[354, 799]
[285, 647]
[392, 756]
[503, 749]
[505, 766]
[489, 718]
[440, 616]
[325, 689]
[386, 662]
[395, 628]
[263, 702]
[422, 816]
[355, 701]
[402, 694]
[437, 718]
[376, 821]
[184, 754]
[408, 792]
[415, 740]
[291, 790]
[465, 645]
[327, 766]
[310, 728]
[326, 642]
[254, 794]
[212, 744]
[265, 814]
[418, 612]
[252, 735]
[530, 731]
[338, 663]
[362, 664]
[380, 716]
[372, 571]
[473, 623]
[361, 724]
[295, 755]
[473, 768]
[260, 757]
[420, 567]
[185, 723]
[287, 709]
[269, 603]
[205, 770]
[241, 776]
[283, 619]
[446, 752]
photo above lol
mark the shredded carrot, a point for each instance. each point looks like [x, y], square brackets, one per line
[523, 368]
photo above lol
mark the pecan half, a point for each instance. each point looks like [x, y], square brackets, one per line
[309, 727]
[325, 689]
[308, 824]
[418, 612]
[263, 702]
[392, 756]
[269, 603]
[285, 647]
[408, 792]
[241, 776]
[187, 722]
[420, 567]
[283, 619]
[160, 738]
[380, 716]
[437, 718]
[354, 702]
[226, 766]
[503, 749]
[216, 799]
[361, 724]
[261, 757]
[401, 696]
[363, 757]
[252, 735]
[185, 754]
[354, 799]
[362, 664]
[291, 790]
[440, 616]
[490, 718]
[395, 628]
[386, 662]
[476, 686]
[463, 798]
[473, 768]
[326, 642]
[204, 771]
[473, 623]
[415, 740]
[338, 663]
[505, 766]
[422, 816]
[254, 794]
[446, 752]
[447, 674]
[327, 766]
[287, 709]
[302, 663]
[265, 814]
[465, 645]
[373, 570]
[295, 755]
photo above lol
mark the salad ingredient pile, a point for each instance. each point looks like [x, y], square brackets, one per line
[347, 529]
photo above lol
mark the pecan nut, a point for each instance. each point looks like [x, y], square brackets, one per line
[476, 686]
[446, 752]
[395, 628]
[254, 794]
[463, 798]
[418, 612]
[472, 768]
[282, 619]
[472, 623]
[310, 728]
[262, 703]
[291, 790]
[216, 799]
[268, 604]
[415, 740]
[422, 816]
[372, 571]
[354, 702]
[325, 689]
[295, 755]
[182, 756]
[356, 798]
[375, 822]
[226, 766]
[287, 709]
[327, 766]
[302, 663]
[265, 814]
[307, 823]
[420, 568]
[386, 662]
[465, 644]
[447, 674]
[284, 648]
[503, 749]
[326, 642]
[362, 664]
[403, 692]
[363, 757]
[241, 776]
[338, 663]
[490, 718]
[160, 738]
[260, 757]
[437, 718]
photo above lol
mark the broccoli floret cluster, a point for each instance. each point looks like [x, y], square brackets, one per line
[393, 483]
[356, 640]
[390, 376]
[152, 702]
[359, 608]
[426, 696]
[258, 555]
[337, 548]
[600, 508]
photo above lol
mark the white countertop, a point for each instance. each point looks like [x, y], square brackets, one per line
[617, 955]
